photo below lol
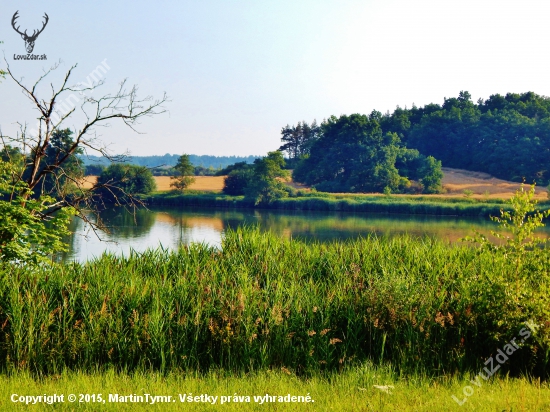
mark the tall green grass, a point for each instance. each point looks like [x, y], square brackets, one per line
[262, 302]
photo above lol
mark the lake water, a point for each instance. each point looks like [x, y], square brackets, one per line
[170, 227]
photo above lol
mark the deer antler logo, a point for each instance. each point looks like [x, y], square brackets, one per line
[29, 40]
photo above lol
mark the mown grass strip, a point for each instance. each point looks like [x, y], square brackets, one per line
[351, 390]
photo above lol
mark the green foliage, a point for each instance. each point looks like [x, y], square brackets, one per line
[299, 139]
[12, 155]
[266, 185]
[431, 175]
[93, 170]
[236, 166]
[237, 181]
[59, 181]
[184, 172]
[205, 171]
[353, 154]
[313, 200]
[521, 221]
[29, 230]
[522, 249]
[119, 182]
[505, 136]
[60, 168]
[261, 302]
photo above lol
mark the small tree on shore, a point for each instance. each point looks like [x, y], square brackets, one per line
[266, 185]
[185, 171]
[522, 244]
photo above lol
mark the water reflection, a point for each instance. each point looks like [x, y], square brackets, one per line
[171, 227]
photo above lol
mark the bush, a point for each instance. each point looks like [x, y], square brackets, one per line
[93, 170]
[237, 181]
[120, 181]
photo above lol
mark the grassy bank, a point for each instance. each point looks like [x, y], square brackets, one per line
[351, 390]
[343, 202]
[265, 303]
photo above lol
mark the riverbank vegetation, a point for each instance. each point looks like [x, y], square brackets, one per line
[306, 200]
[261, 302]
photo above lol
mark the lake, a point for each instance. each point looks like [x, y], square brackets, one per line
[170, 227]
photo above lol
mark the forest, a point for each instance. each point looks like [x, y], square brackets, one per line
[505, 136]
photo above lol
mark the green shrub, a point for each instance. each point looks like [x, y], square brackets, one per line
[119, 181]
[237, 181]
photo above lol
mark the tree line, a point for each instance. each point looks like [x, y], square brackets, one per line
[506, 136]
[354, 154]
[170, 160]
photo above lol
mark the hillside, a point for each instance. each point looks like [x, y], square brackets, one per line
[483, 185]
[456, 181]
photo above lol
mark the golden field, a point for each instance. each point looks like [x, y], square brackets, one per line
[203, 183]
[455, 182]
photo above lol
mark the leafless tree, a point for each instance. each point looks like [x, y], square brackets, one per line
[54, 112]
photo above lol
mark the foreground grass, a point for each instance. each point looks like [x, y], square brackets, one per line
[266, 303]
[351, 390]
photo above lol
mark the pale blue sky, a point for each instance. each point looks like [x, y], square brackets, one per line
[237, 71]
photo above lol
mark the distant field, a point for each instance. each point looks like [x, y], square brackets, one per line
[204, 183]
[455, 182]
[483, 185]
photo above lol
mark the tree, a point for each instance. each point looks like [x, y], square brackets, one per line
[119, 181]
[59, 181]
[93, 170]
[238, 179]
[352, 155]
[299, 139]
[49, 152]
[24, 235]
[266, 185]
[185, 170]
[431, 175]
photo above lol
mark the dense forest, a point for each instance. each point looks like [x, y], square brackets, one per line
[353, 154]
[505, 136]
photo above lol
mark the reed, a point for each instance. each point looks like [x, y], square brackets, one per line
[262, 302]
[346, 203]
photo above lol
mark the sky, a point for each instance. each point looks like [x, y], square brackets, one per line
[237, 71]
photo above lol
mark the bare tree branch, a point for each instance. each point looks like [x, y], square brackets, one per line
[124, 104]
